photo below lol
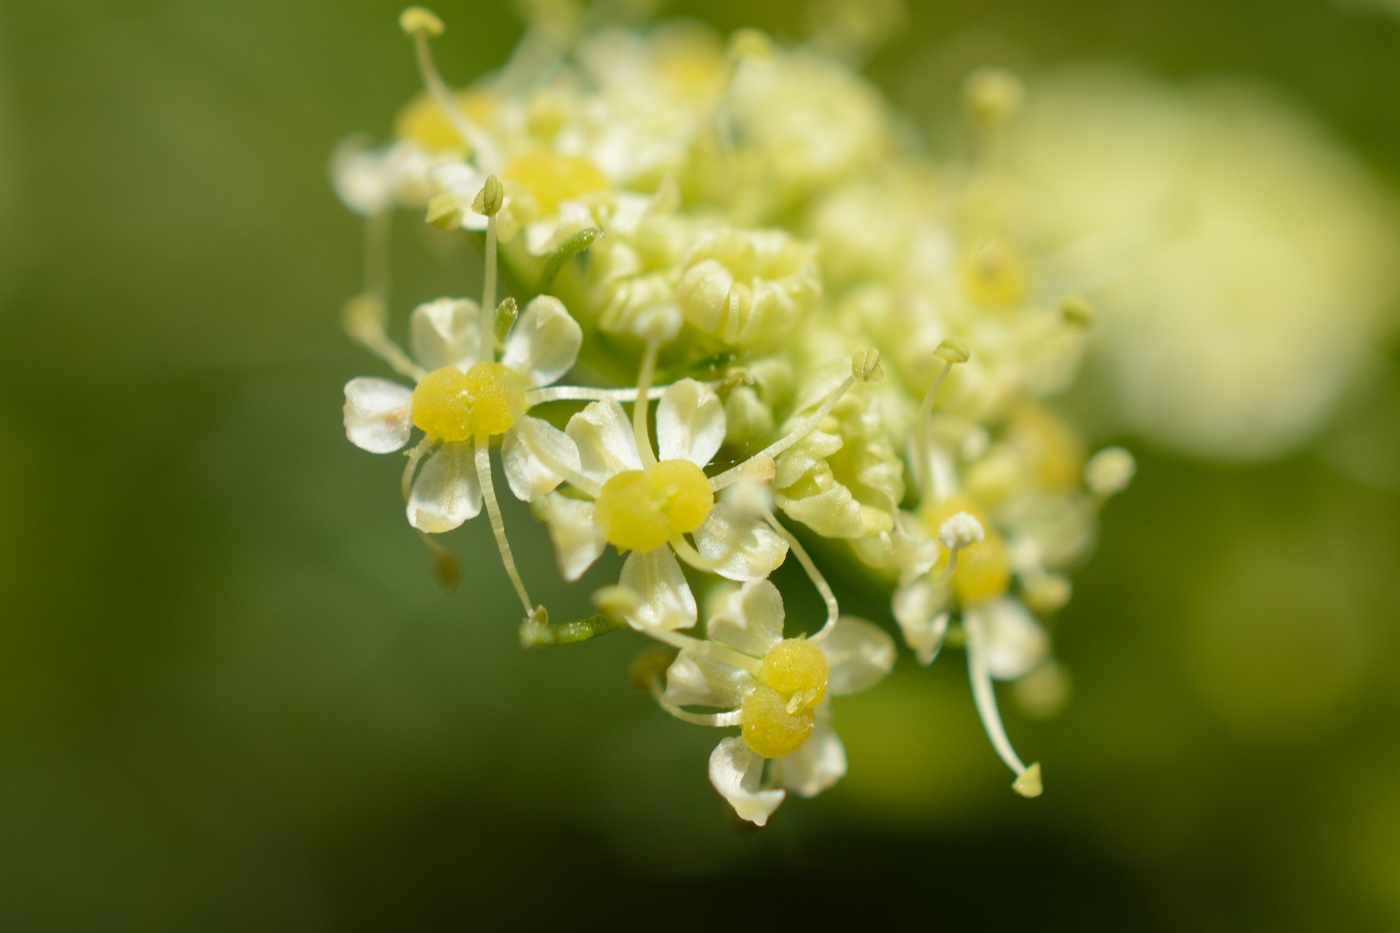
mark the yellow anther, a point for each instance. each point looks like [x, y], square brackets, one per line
[552, 179]
[994, 272]
[797, 667]
[420, 20]
[639, 510]
[616, 602]
[364, 317]
[1028, 783]
[649, 669]
[489, 199]
[993, 96]
[768, 727]
[455, 406]
[953, 350]
[1077, 311]
[865, 366]
[750, 44]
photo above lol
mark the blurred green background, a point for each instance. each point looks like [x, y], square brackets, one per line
[232, 695]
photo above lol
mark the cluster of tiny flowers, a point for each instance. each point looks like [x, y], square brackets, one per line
[781, 324]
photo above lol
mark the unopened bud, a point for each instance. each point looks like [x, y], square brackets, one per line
[490, 198]
[953, 350]
[418, 20]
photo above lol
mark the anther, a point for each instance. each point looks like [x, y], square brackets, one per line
[417, 20]
[489, 199]
[1077, 311]
[1109, 471]
[960, 531]
[993, 96]
[506, 313]
[616, 602]
[445, 212]
[750, 44]
[865, 366]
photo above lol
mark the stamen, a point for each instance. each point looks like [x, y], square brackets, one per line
[865, 367]
[1027, 782]
[498, 527]
[959, 531]
[363, 318]
[422, 24]
[488, 203]
[588, 394]
[833, 611]
[709, 648]
[572, 476]
[951, 352]
[414, 456]
[641, 409]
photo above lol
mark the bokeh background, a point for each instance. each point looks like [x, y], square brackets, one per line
[232, 695]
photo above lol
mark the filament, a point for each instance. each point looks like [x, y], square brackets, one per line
[498, 527]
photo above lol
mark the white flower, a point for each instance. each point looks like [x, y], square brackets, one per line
[373, 181]
[646, 504]
[776, 690]
[464, 396]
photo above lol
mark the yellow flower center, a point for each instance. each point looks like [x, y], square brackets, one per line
[551, 178]
[456, 406]
[639, 510]
[778, 715]
[422, 120]
[995, 273]
[984, 569]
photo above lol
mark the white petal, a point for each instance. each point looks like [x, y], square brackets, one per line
[1015, 641]
[918, 610]
[699, 680]
[689, 423]
[749, 619]
[656, 577]
[735, 771]
[578, 542]
[446, 492]
[743, 547]
[605, 442]
[545, 341]
[446, 332]
[859, 654]
[378, 414]
[527, 473]
[362, 177]
[818, 764]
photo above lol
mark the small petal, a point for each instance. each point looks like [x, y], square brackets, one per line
[446, 332]
[695, 679]
[446, 492]
[749, 619]
[545, 341]
[689, 423]
[606, 445]
[831, 514]
[528, 474]
[666, 600]
[742, 547]
[578, 542]
[918, 608]
[859, 655]
[378, 414]
[818, 764]
[735, 771]
[1015, 641]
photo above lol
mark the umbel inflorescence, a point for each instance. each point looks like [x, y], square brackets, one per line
[778, 322]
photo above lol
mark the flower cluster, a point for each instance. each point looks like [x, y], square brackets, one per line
[728, 245]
